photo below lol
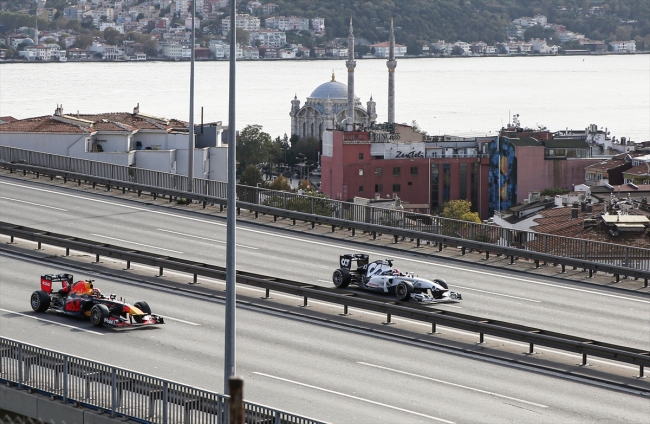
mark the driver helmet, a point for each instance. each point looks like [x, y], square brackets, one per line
[95, 292]
[396, 271]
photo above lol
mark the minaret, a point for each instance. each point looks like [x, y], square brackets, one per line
[391, 63]
[372, 110]
[36, 33]
[295, 108]
[351, 64]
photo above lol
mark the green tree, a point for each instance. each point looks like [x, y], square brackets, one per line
[251, 176]
[457, 51]
[253, 146]
[113, 36]
[150, 43]
[73, 25]
[460, 210]
[552, 192]
[83, 40]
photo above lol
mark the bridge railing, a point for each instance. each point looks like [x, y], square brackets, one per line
[600, 252]
[120, 392]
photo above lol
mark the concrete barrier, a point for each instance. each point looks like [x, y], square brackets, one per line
[43, 408]
[18, 401]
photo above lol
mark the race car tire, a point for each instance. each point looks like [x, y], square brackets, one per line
[97, 315]
[40, 301]
[143, 306]
[403, 291]
[341, 278]
[442, 282]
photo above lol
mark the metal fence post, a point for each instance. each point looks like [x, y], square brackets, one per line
[65, 379]
[20, 367]
[164, 403]
[113, 391]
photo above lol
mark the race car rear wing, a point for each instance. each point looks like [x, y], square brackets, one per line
[345, 261]
[48, 280]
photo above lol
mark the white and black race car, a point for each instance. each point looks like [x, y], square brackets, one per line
[380, 276]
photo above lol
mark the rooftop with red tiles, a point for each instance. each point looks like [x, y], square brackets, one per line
[90, 123]
[558, 221]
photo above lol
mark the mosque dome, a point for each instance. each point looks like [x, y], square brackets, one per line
[332, 89]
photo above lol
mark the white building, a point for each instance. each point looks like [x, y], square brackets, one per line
[172, 51]
[128, 139]
[318, 25]
[244, 21]
[250, 53]
[541, 20]
[188, 23]
[525, 22]
[180, 6]
[291, 23]
[269, 37]
[623, 46]
[539, 46]
[382, 49]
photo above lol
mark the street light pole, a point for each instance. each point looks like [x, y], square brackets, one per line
[190, 150]
[231, 263]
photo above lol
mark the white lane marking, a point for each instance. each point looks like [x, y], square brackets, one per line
[50, 322]
[151, 211]
[498, 294]
[453, 384]
[204, 238]
[31, 203]
[179, 320]
[138, 244]
[353, 397]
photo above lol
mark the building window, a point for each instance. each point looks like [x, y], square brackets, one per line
[462, 181]
[446, 182]
[396, 188]
[379, 188]
[414, 170]
[360, 156]
[360, 171]
[434, 185]
[379, 171]
[360, 189]
[474, 186]
[397, 170]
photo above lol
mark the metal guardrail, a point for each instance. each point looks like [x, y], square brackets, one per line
[354, 215]
[120, 392]
[482, 326]
[307, 208]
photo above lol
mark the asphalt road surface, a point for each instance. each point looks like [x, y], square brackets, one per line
[602, 314]
[307, 368]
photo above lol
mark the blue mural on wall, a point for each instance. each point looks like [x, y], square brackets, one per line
[502, 177]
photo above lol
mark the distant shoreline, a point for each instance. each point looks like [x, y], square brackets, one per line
[326, 58]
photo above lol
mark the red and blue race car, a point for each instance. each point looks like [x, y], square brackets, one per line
[60, 293]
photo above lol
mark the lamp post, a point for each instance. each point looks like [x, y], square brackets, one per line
[302, 164]
[231, 194]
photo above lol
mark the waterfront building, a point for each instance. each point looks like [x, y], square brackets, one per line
[382, 49]
[269, 37]
[623, 46]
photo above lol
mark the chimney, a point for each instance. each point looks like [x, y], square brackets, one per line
[574, 213]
